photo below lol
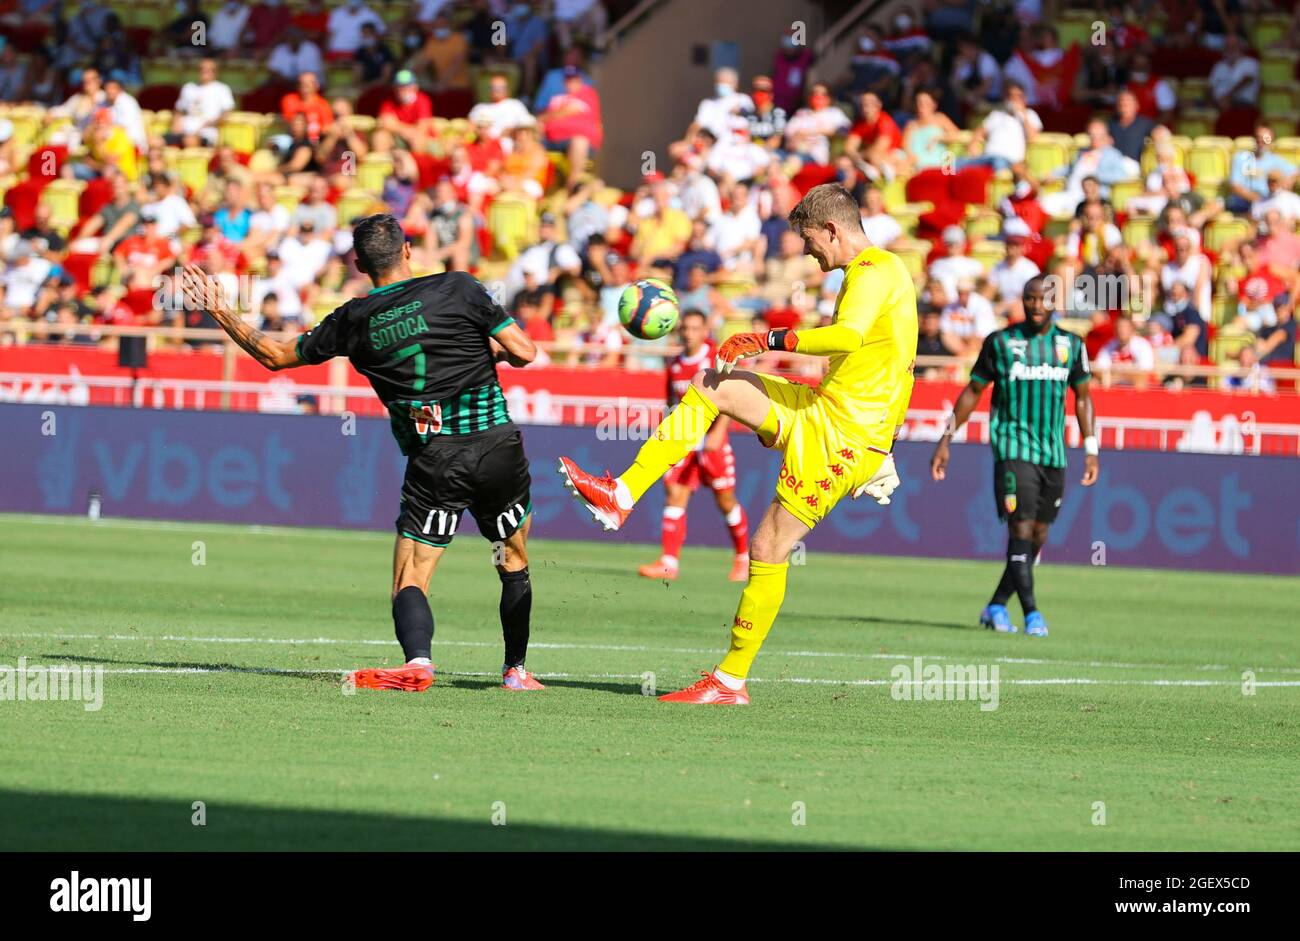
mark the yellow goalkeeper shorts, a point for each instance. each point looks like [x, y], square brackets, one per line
[823, 459]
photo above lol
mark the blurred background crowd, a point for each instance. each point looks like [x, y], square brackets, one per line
[1143, 152]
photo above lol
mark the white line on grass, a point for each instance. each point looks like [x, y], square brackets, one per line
[798, 680]
[640, 648]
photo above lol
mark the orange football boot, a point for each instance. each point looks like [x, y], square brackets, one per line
[596, 493]
[709, 690]
[413, 677]
[739, 569]
[658, 570]
[518, 679]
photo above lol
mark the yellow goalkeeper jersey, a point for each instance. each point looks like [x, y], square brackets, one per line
[871, 386]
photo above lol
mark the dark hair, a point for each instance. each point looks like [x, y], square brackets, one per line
[693, 312]
[378, 241]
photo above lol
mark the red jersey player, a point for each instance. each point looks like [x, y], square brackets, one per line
[713, 463]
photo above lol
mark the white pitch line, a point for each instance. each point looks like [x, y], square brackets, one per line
[639, 648]
[797, 680]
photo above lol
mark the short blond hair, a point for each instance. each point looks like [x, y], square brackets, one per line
[829, 202]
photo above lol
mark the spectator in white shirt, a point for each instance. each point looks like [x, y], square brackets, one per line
[226, 28]
[882, 228]
[1130, 351]
[1285, 201]
[735, 232]
[171, 210]
[716, 114]
[501, 112]
[809, 132]
[23, 280]
[967, 319]
[200, 107]
[344, 28]
[294, 56]
[1009, 277]
[956, 264]
[280, 284]
[1234, 80]
[1005, 133]
[126, 113]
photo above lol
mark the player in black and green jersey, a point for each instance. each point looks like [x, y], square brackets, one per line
[1031, 365]
[429, 347]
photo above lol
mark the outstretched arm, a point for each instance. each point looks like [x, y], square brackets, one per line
[204, 293]
[819, 341]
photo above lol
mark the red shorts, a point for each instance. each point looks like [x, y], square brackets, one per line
[715, 468]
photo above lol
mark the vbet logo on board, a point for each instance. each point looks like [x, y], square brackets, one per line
[76, 894]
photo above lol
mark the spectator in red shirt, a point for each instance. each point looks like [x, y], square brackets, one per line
[874, 139]
[267, 22]
[146, 254]
[314, 21]
[308, 102]
[409, 113]
[572, 124]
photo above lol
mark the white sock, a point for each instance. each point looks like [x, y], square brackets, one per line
[729, 681]
[668, 561]
[420, 662]
[623, 496]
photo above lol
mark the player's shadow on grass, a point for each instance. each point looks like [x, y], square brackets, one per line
[629, 688]
[894, 622]
[186, 665]
[81, 823]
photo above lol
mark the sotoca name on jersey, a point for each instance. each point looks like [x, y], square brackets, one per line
[1041, 372]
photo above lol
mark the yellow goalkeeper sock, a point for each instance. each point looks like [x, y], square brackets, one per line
[759, 604]
[677, 435]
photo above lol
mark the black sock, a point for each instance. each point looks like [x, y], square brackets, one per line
[413, 622]
[1006, 588]
[516, 608]
[1020, 563]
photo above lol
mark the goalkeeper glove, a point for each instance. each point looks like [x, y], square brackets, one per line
[884, 482]
[752, 344]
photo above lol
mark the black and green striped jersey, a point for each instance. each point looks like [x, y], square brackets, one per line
[423, 345]
[1030, 375]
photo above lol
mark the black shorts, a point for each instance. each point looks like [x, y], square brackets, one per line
[1025, 491]
[485, 472]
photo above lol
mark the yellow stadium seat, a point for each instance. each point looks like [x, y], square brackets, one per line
[1195, 122]
[1000, 187]
[62, 196]
[1209, 163]
[913, 259]
[988, 252]
[101, 273]
[289, 196]
[1044, 157]
[27, 125]
[906, 217]
[1122, 192]
[373, 171]
[1269, 29]
[240, 130]
[166, 71]
[1277, 67]
[262, 162]
[356, 202]
[1138, 231]
[192, 166]
[512, 222]
[1225, 309]
[363, 124]
[340, 74]
[1223, 230]
[982, 225]
[895, 193]
[1278, 100]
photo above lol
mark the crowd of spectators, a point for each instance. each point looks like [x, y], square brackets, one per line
[982, 148]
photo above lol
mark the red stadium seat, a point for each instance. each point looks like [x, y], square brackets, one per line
[265, 99]
[41, 168]
[431, 169]
[94, 197]
[812, 174]
[970, 185]
[1236, 122]
[79, 267]
[453, 103]
[373, 98]
[140, 300]
[158, 97]
[22, 199]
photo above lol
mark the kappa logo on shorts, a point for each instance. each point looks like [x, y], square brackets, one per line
[1009, 501]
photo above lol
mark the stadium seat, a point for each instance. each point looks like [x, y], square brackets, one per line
[22, 199]
[1196, 122]
[1225, 309]
[289, 196]
[1000, 187]
[895, 193]
[511, 223]
[1122, 192]
[26, 123]
[1269, 29]
[912, 253]
[983, 224]
[63, 199]
[355, 202]
[1045, 155]
[169, 71]
[192, 167]
[240, 130]
[1278, 67]
[1278, 99]
[1138, 231]
[158, 97]
[1224, 229]
[373, 170]
[79, 267]
[1209, 162]
[372, 99]
[988, 252]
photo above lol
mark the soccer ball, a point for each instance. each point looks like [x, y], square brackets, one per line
[648, 309]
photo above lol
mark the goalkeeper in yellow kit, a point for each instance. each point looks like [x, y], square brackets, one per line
[835, 439]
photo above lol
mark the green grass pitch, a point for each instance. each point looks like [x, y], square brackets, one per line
[222, 686]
